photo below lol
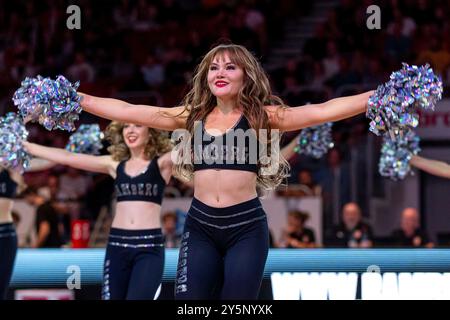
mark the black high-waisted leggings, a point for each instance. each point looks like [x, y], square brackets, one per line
[223, 252]
[134, 264]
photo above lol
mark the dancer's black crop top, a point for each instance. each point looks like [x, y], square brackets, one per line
[237, 149]
[8, 186]
[146, 186]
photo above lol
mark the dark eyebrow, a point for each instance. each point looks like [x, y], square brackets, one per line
[216, 64]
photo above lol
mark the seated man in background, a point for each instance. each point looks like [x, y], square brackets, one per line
[410, 234]
[353, 232]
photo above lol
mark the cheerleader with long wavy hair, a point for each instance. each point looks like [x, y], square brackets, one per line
[140, 163]
[226, 239]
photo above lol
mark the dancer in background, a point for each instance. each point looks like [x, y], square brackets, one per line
[140, 163]
[11, 184]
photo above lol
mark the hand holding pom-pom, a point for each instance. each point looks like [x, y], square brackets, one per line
[53, 103]
[394, 105]
[12, 135]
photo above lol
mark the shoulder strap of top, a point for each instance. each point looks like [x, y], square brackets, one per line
[154, 163]
[244, 121]
[120, 166]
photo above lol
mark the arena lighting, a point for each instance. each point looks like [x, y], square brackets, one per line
[292, 274]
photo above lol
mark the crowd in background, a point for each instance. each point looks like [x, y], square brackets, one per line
[146, 51]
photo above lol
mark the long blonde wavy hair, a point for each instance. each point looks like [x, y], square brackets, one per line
[254, 95]
[158, 143]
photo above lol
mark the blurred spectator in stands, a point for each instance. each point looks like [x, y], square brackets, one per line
[422, 12]
[305, 186]
[375, 73]
[123, 68]
[296, 235]
[331, 63]
[153, 72]
[347, 75]
[170, 10]
[241, 33]
[315, 47]
[272, 242]
[406, 24]
[344, 15]
[63, 46]
[144, 16]
[437, 55]
[335, 182]
[48, 226]
[186, 189]
[410, 234]
[305, 179]
[318, 78]
[81, 70]
[169, 227]
[292, 90]
[255, 21]
[16, 218]
[352, 232]
[122, 14]
[52, 193]
[397, 45]
[73, 188]
[73, 184]
[195, 48]
[51, 190]
[171, 190]
[50, 68]
[331, 26]
[22, 58]
[293, 69]
[176, 64]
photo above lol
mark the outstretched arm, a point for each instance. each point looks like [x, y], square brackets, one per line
[290, 119]
[100, 164]
[434, 167]
[149, 116]
[288, 150]
[40, 165]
